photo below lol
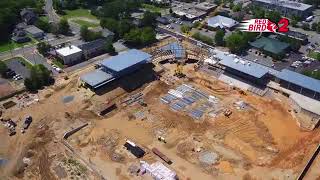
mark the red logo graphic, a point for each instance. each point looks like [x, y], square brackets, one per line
[264, 25]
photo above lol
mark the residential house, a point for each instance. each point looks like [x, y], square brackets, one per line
[28, 16]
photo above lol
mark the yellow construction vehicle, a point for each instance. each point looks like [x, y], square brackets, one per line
[227, 113]
[179, 70]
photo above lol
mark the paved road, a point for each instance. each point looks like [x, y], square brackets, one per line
[36, 58]
[51, 12]
[86, 63]
[54, 17]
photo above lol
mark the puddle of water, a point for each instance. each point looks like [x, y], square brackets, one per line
[67, 99]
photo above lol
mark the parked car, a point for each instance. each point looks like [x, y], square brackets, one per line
[17, 77]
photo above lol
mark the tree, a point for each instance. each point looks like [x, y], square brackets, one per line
[30, 85]
[64, 27]
[185, 28]
[123, 27]
[218, 38]
[109, 48]
[3, 67]
[203, 38]
[88, 35]
[237, 7]
[140, 37]
[149, 19]
[39, 76]
[43, 24]
[274, 16]
[43, 48]
[305, 26]
[236, 42]
[170, 11]
[84, 33]
[148, 36]
[258, 12]
[109, 23]
[294, 23]
[316, 27]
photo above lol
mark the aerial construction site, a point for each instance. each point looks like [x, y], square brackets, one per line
[173, 118]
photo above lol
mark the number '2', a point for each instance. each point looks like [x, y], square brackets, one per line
[283, 25]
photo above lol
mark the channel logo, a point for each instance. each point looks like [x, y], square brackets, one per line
[264, 25]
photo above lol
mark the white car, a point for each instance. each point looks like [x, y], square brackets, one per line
[59, 70]
[17, 77]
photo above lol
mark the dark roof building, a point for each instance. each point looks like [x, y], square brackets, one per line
[28, 16]
[270, 45]
[93, 48]
[20, 39]
[35, 32]
[163, 20]
[134, 149]
[296, 35]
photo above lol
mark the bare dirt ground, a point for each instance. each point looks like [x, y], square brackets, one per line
[260, 142]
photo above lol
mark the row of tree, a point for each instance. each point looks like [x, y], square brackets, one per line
[88, 35]
[3, 68]
[40, 76]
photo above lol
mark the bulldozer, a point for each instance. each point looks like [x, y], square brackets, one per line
[179, 71]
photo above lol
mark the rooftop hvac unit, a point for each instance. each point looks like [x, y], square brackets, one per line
[243, 62]
[236, 60]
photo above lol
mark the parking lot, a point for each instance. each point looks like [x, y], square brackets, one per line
[35, 58]
[17, 65]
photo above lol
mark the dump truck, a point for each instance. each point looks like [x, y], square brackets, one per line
[26, 124]
[162, 156]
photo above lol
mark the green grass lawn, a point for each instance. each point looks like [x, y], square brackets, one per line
[152, 8]
[24, 61]
[12, 45]
[45, 18]
[76, 15]
[313, 74]
[85, 23]
[79, 13]
[58, 63]
[314, 55]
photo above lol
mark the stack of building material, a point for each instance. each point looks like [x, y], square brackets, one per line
[167, 99]
[196, 113]
[175, 93]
